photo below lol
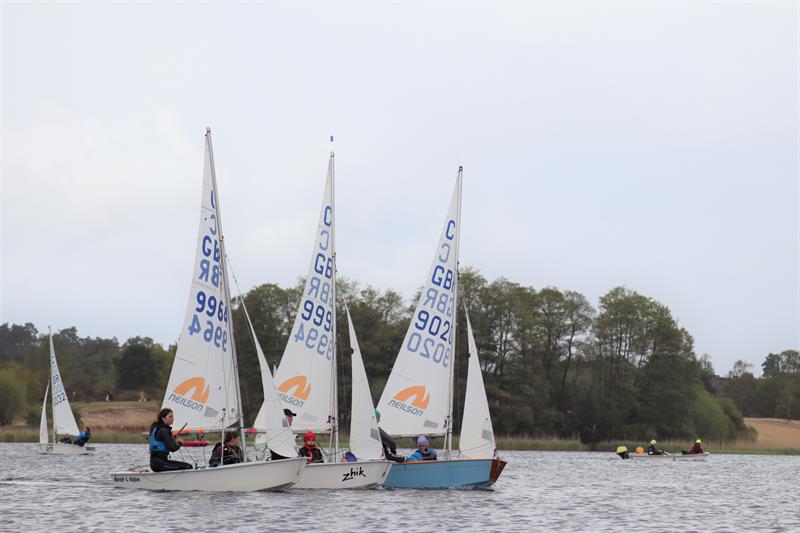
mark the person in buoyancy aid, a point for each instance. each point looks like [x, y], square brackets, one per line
[229, 451]
[652, 450]
[162, 442]
[310, 450]
[423, 452]
[388, 443]
[83, 437]
[697, 449]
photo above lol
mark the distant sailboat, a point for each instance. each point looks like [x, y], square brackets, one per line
[418, 396]
[63, 419]
[203, 389]
[306, 376]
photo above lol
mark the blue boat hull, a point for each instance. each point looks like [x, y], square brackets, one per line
[455, 473]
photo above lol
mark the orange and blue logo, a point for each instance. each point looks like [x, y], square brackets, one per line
[300, 390]
[413, 400]
[199, 395]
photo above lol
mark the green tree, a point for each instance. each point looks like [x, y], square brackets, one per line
[12, 398]
[138, 366]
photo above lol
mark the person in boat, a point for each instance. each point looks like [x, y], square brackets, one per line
[289, 417]
[83, 437]
[423, 452]
[388, 443]
[229, 450]
[697, 449]
[310, 450]
[162, 443]
[67, 439]
[652, 450]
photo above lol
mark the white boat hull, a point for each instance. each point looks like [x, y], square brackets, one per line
[242, 477]
[676, 457]
[358, 475]
[59, 448]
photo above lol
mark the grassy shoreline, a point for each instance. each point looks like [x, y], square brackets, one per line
[506, 443]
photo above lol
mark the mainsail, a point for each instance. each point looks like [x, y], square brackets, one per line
[304, 376]
[477, 435]
[365, 439]
[416, 399]
[203, 386]
[63, 419]
[43, 437]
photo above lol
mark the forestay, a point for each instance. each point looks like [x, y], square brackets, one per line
[305, 372]
[63, 419]
[477, 435]
[365, 439]
[202, 389]
[43, 437]
[416, 397]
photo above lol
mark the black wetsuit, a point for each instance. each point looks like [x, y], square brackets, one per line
[390, 447]
[160, 461]
[314, 453]
[230, 455]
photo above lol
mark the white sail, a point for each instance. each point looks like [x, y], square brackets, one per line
[304, 376]
[477, 435]
[63, 419]
[277, 436]
[365, 438]
[43, 437]
[203, 387]
[416, 397]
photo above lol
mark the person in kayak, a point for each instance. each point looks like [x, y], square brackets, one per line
[697, 449]
[229, 451]
[388, 443]
[423, 452]
[652, 450]
[162, 443]
[289, 417]
[83, 437]
[310, 450]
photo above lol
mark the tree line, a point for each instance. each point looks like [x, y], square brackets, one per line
[553, 364]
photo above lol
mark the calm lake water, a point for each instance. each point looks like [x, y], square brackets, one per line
[539, 491]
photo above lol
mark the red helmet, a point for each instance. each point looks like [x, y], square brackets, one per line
[310, 436]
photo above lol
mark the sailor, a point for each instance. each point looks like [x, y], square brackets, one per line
[229, 451]
[697, 449]
[652, 450]
[310, 449]
[84, 436]
[388, 443]
[162, 442]
[423, 452]
[289, 417]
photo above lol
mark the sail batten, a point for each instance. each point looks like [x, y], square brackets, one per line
[415, 400]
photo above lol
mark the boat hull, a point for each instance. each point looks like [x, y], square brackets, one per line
[242, 477]
[688, 457]
[59, 448]
[359, 475]
[452, 474]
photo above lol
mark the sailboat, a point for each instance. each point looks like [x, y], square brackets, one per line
[203, 389]
[418, 397]
[306, 376]
[63, 419]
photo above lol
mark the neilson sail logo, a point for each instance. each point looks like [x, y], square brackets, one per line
[301, 390]
[412, 400]
[197, 401]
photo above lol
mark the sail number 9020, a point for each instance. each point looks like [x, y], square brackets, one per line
[434, 341]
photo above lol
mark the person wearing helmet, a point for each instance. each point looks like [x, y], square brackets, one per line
[310, 450]
[697, 448]
[423, 452]
[652, 450]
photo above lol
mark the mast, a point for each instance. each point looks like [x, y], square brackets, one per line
[226, 289]
[449, 434]
[52, 396]
[334, 388]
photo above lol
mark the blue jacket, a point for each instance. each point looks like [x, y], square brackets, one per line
[82, 438]
[419, 456]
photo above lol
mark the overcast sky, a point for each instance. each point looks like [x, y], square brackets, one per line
[648, 145]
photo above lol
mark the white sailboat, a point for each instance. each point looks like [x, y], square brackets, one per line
[203, 389]
[306, 376]
[418, 397]
[63, 419]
